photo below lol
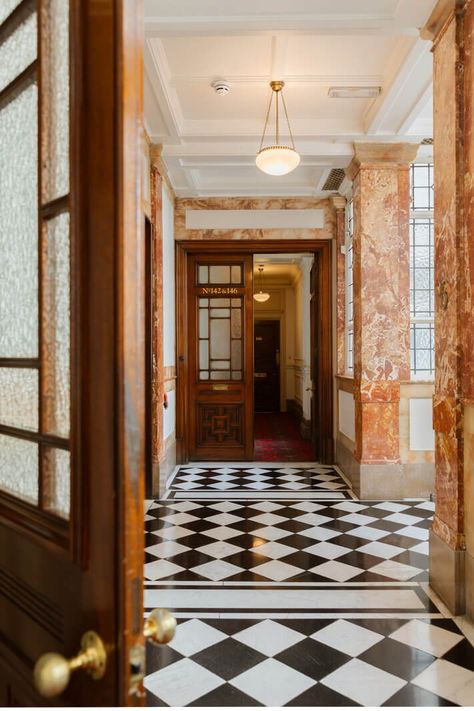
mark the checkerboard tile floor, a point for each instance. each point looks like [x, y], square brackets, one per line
[293, 541]
[372, 662]
[252, 478]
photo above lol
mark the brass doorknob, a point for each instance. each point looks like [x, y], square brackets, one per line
[53, 671]
[160, 626]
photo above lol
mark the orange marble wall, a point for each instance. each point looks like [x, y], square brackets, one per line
[381, 300]
[339, 204]
[449, 278]
[276, 203]
[157, 335]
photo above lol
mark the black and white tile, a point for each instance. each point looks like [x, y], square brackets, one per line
[317, 662]
[257, 480]
[287, 541]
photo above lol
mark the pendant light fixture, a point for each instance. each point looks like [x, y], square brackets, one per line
[261, 295]
[277, 159]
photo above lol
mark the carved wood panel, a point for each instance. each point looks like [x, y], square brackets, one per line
[220, 424]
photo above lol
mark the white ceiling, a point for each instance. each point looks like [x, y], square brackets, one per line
[210, 141]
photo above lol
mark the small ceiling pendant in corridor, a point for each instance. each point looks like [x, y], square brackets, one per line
[277, 159]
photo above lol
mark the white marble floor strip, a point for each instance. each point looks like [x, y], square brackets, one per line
[238, 494]
[205, 614]
[395, 600]
[270, 584]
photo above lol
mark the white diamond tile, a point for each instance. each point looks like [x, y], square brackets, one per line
[393, 569]
[276, 570]
[334, 570]
[405, 519]
[171, 533]
[226, 470]
[187, 486]
[193, 636]
[268, 519]
[258, 485]
[225, 506]
[327, 550]
[223, 485]
[224, 518]
[268, 506]
[363, 683]
[347, 637]
[319, 533]
[313, 519]
[369, 534]
[159, 569]
[357, 519]
[426, 506]
[421, 534]
[391, 506]
[183, 505]
[257, 470]
[178, 518]
[288, 470]
[193, 470]
[350, 506]
[220, 549]
[429, 638]
[222, 533]
[448, 680]
[272, 683]
[217, 570]
[182, 683]
[381, 550]
[308, 506]
[270, 533]
[273, 549]
[294, 486]
[167, 549]
[422, 548]
[269, 637]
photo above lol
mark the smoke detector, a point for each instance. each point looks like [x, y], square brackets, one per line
[221, 87]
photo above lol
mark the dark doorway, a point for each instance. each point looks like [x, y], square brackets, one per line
[267, 366]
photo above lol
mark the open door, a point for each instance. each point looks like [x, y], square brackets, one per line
[71, 349]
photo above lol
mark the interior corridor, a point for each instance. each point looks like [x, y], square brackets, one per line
[289, 591]
[278, 438]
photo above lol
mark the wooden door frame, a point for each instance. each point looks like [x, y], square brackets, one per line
[325, 438]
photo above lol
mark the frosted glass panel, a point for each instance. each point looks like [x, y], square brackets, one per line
[204, 354]
[55, 94]
[236, 355]
[236, 323]
[19, 468]
[19, 397]
[219, 275]
[56, 328]
[18, 51]
[203, 275]
[57, 481]
[203, 323]
[19, 227]
[236, 274]
[6, 7]
[220, 338]
[220, 375]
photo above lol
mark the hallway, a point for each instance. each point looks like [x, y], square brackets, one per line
[278, 438]
[289, 591]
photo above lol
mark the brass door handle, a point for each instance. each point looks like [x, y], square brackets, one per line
[160, 626]
[53, 671]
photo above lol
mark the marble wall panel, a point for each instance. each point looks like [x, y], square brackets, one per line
[276, 203]
[340, 290]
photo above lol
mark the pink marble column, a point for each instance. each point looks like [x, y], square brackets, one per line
[381, 295]
[339, 204]
[451, 27]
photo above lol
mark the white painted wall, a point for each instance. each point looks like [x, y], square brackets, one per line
[169, 339]
[421, 424]
[347, 414]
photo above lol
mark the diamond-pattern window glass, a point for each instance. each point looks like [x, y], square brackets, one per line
[19, 456]
[57, 481]
[19, 226]
[55, 94]
[422, 186]
[18, 50]
[56, 326]
[19, 398]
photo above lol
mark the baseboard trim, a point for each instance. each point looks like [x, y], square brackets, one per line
[447, 574]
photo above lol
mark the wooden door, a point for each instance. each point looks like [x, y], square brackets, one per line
[220, 356]
[321, 357]
[267, 366]
[71, 342]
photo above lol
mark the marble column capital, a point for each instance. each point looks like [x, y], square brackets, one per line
[155, 155]
[378, 155]
[442, 14]
[338, 202]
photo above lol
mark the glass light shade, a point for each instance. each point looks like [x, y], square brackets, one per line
[261, 296]
[277, 160]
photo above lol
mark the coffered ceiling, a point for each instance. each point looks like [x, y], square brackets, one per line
[210, 140]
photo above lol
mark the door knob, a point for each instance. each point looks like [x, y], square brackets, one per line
[53, 671]
[160, 626]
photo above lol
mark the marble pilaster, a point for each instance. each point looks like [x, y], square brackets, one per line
[451, 27]
[340, 260]
[381, 295]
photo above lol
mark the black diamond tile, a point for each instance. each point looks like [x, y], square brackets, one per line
[228, 658]
[312, 658]
[417, 560]
[462, 655]
[230, 626]
[384, 525]
[411, 695]
[384, 627]
[152, 700]
[225, 695]
[359, 559]
[320, 695]
[395, 539]
[159, 656]
[397, 658]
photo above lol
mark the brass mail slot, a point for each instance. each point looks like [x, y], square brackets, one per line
[220, 387]
[259, 375]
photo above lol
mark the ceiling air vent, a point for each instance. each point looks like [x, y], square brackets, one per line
[427, 142]
[334, 179]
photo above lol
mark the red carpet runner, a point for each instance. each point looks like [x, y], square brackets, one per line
[278, 439]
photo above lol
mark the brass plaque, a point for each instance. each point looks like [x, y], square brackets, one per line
[220, 387]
